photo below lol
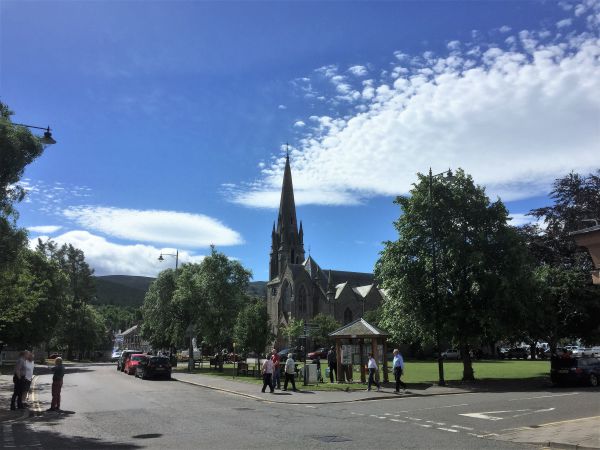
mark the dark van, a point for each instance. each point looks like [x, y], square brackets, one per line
[569, 370]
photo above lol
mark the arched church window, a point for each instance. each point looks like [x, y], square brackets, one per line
[302, 300]
[347, 316]
[286, 298]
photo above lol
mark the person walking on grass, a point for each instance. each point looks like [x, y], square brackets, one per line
[19, 381]
[267, 373]
[372, 366]
[398, 366]
[290, 373]
[28, 374]
[276, 369]
[57, 382]
[332, 363]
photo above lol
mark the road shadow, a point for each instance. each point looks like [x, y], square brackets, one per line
[21, 435]
[522, 385]
[43, 370]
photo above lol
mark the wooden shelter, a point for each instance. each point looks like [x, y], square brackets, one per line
[352, 343]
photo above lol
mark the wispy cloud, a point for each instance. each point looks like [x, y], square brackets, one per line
[45, 229]
[155, 226]
[109, 258]
[512, 114]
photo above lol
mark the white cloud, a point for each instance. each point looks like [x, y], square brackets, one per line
[45, 228]
[564, 23]
[359, 71]
[505, 29]
[513, 118]
[155, 226]
[299, 124]
[520, 219]
[282, 107]
[108, 258]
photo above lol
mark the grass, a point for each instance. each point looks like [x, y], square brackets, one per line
[415, 372]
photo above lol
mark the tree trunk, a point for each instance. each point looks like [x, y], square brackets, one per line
[468, 374]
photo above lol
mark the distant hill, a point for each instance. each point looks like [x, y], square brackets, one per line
[128, 290]
[122, 290]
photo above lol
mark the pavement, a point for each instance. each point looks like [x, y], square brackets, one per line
[6, 391]
[305, 395]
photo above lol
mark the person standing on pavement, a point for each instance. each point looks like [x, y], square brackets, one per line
[276, 373]
[290, 373]
[57, 382]
[18, 380]
[332, 363]
[372, 366]
[267, 373]
[398, 366]
[28, 374]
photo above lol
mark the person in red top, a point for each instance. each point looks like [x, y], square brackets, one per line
[276, 376]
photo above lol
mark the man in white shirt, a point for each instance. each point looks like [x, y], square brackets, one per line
[18, 380]
[28, 374]
[267, 373]
[290, 373]
[372, 366]
[398, 365]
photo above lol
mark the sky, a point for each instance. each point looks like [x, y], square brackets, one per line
[172, 117]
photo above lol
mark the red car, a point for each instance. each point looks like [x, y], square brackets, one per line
[318, 354]
[132, 363]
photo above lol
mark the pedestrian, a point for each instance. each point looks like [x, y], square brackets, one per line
[319, 376]
[18, 380]
[332, 363]
[28, 374]
[372, 366]
[398, 366]
[267, 373]
[276, 375]
[57, 382]
[290, 373]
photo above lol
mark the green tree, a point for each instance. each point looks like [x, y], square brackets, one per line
[293, 330]
[158, 313]
[252, 330]
[482, 268]
[322, 325]
[567, 304]
[18, 148]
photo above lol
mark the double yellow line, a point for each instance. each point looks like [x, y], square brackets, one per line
[36, 407]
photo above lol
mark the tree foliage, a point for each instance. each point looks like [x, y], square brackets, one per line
[159, 324]
[322, 325]
[482, 267]
[293, 330]
[252, 330]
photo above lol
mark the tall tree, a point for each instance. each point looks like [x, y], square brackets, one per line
[252, 330]
[293, 330]
[482, 267]
[567, 304]
[158, 313]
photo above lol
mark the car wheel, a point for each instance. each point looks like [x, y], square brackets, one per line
[594, 380]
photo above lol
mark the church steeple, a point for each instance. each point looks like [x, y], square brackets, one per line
[287, 246]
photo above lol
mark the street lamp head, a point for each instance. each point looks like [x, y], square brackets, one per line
[160, 258]
[47, 139]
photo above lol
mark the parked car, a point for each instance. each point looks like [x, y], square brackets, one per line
[133, 362]
[54, 356]
[115, 355]
[564, 370]
[516, 353]
[320, 353]
[125, 355]
[298, 352]
[451, 354]
[153, 367]
[596, 351]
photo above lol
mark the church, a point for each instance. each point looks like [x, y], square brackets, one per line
[298, 287]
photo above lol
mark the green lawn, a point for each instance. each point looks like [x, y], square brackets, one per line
[415, 372]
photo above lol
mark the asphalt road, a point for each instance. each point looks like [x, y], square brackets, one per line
[108, 409]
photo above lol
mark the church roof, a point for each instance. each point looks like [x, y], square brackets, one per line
[354, 279]
[358, 328]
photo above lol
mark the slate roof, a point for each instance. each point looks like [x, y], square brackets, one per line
[358, 328]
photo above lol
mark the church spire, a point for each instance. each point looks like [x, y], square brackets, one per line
[287, 205]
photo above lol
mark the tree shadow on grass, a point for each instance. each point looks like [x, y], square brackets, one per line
[22, 435]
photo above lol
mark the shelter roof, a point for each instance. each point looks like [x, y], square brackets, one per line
[358, 328]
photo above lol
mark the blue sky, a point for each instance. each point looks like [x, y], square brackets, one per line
[171, 117]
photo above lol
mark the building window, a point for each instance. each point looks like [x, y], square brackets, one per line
[347, 316]
[302, 300]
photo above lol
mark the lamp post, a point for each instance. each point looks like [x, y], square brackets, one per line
[448, 175]
[47, 139]
[191, 349]
[175, 255]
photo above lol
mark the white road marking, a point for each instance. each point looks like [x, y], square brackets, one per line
[413, 418]
[462, 428]
[398, 420]
[448, 429]
[486, 414]
[424, 425]
[310, 406]
[543, 396]
[435, 423]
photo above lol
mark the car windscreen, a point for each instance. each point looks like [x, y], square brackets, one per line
[137, 358]
[159, 360]
[564, 362]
